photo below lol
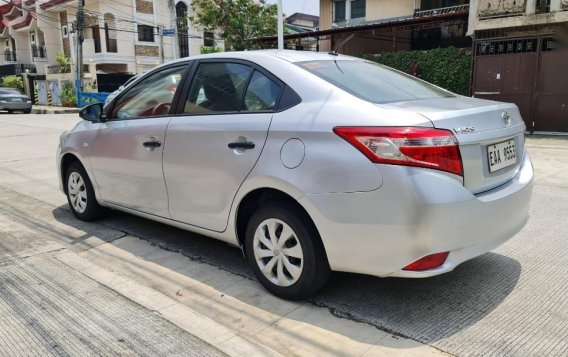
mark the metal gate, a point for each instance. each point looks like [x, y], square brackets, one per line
[551, 100]
[55, 90]
[527, 72]
[40, 90]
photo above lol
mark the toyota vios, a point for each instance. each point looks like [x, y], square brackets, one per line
[309, 162]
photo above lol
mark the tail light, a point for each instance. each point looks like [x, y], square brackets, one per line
[410, 146]
[428, 262]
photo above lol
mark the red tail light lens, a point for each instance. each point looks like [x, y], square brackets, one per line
[428, 262]
[410, 146]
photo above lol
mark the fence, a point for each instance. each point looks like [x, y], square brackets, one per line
[86, 98]
[66, 68]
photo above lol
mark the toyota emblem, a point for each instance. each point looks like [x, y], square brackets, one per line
[506, 118]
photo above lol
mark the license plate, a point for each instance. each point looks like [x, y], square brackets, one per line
[501, 155]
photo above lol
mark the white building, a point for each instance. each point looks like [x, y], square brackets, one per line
[120, 36]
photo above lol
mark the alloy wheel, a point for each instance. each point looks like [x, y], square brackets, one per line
[77, 192]
[278, 252]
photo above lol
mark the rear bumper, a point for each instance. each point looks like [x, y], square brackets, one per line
[415, 213]
[15, 106]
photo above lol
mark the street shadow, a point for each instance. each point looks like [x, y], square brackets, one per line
[425, 310]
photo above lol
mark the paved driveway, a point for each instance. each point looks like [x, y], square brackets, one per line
[511, 301]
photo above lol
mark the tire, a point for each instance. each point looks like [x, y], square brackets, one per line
[293, 271]
[80, 194]
[27, 111]
[9, 111]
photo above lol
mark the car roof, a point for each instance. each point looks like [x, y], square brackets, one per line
[286, 55]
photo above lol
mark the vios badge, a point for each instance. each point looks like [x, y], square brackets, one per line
[506, 118]
[464, 130]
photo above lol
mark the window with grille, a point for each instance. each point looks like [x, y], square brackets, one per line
[357, 9]
[542, 6]
[145, 33]
[208, 39]
[339, 11]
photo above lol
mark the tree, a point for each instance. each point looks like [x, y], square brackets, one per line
[239, 21]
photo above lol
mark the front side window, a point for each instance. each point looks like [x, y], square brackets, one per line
[217, 87]
[373, 82]
[145, 33]
[150, 97]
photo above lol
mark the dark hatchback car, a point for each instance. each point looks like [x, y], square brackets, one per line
[13, 100]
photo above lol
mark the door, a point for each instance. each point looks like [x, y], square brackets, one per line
[551, 108]
[212, 147]
[506, 71]
[126, 153]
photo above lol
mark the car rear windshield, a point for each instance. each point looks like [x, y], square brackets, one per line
[10, 91]
[373, 82]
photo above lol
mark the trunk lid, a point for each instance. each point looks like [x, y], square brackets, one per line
[479, 126]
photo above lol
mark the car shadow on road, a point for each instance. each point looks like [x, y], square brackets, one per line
[425, 310]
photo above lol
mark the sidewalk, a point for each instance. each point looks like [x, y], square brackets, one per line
[48, 308]
[53, 302]
[47, 109]
[90, 279]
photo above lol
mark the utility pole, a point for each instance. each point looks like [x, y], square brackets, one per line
[175, 39]
[161, 32]
[280, 27]
[80, 37]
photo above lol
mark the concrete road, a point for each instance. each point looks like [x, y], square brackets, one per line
[511, 301]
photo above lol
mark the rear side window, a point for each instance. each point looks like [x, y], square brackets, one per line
[218, 87]
[262, 93]
[10, 91]
[373, 82]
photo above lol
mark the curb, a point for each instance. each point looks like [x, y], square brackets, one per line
[223, 338]
[55, 111]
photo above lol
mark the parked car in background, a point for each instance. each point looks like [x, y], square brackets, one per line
[121, 88]
[13, 100]
[310, 162]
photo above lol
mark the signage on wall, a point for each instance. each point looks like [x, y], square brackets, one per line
[492, 48]
[168, 32]
[498, 8]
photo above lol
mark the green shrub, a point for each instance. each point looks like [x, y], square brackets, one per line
[213, 49]
[61, 59]
[13, 82]
[449, 68]
[67, 95]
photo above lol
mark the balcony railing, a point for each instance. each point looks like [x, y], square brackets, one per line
[10, 56]
[441, 11]
[66, 68]
[111, 45]
[39, 51]
[57, 69]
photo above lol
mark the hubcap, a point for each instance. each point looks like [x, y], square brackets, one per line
[278, 252]
[77, 192]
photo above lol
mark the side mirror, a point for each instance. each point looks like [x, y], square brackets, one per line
[92, 112]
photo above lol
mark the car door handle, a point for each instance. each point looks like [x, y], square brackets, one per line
[247, 145]
[152, 144]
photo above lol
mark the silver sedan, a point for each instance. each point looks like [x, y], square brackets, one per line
[309, 162]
